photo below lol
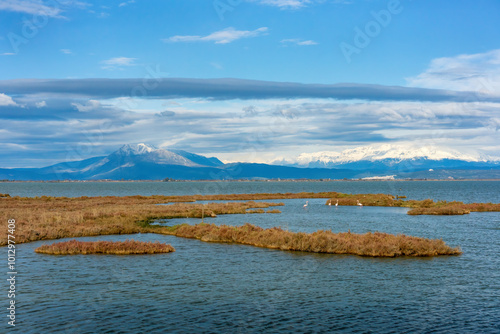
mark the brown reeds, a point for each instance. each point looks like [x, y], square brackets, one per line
[369, 244]
[127, 247]
[46, 218]
[422, 207]
[439, 211]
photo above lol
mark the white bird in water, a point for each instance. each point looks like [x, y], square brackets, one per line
[307, 203]
[330, 203]
[359, 204]
[337, 204]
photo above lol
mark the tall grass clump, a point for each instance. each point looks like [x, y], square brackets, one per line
[105, 247]
[368, 244]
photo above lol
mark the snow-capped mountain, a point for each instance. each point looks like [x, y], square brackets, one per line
[133, 153]
[146, 162]
[392, 156]
[133, 161]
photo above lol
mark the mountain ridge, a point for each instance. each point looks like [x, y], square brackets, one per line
[390, 156]
[147, 162]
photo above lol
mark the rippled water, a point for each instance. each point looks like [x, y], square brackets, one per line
[466, 191]
[212, 288]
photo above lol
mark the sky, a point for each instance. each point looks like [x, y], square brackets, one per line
[246, 80]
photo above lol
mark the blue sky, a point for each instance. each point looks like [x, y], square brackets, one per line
[423, 47]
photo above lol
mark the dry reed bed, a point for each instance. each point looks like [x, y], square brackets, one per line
[126, 247]
[47, 218]
[423, 207]
[155, 199]
[369, 244]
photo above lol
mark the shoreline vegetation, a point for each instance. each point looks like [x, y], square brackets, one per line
[418, 207]
[48, 218]
[126, 247]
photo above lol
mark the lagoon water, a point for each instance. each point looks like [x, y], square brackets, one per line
[225, 288]
[466, 191]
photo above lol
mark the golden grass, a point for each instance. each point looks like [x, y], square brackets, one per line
[47, 218]
[440, 211]
[369, 244]
[105, 247]
[263, 211]
[423, 207]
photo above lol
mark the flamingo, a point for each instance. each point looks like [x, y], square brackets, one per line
[307, 203]
[330, 203]
[337, 204]
[359, 204]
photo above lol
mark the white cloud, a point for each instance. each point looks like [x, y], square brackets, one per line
[75, 3]
[118, 62]
[263, 130]
[216, 65]
[6, 100]
[34, 7]
[41, 104]
[474, 72]
[285, 4]
[224, 36]
[297, 41]
[102, 15]
[66, 51]
[297, 4]
[126, 3]
[8, 54]
[52, 9]
[89, 106]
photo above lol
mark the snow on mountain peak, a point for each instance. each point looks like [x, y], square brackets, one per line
[396, 152]
[152, 154]
[137, 149]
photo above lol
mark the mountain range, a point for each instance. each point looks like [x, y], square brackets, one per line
[146, 162]
[391, 157]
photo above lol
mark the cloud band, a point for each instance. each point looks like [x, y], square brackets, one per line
[228, 89]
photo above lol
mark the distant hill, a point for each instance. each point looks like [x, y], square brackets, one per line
[146, 162]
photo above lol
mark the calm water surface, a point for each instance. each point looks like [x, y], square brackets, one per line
[214, 288]
[466, 191]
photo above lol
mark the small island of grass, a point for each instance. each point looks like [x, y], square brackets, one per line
[127, 247]
[369, 244]
[418, 207]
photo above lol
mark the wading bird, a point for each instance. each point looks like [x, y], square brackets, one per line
[359, 204]
[337, 204]
[307, 203]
